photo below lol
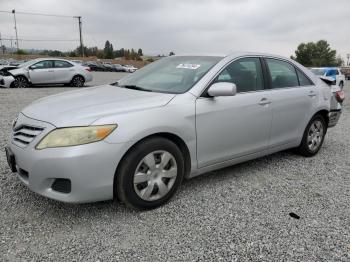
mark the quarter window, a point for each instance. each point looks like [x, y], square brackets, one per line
[282, 74]
[303, 80]
[245, 73]
[62, 64]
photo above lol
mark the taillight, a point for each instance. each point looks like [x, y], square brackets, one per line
[88, 69]
[340, 96]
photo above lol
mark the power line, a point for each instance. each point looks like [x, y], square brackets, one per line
[44, 40]
[48, 15]
[38, 14]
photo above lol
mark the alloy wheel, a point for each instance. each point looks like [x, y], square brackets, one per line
[315, 135]
[78, 81]
[21, 82]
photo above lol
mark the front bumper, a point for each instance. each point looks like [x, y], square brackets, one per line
[90, 169]
[6, 81]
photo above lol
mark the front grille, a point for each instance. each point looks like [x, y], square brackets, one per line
[24, 134]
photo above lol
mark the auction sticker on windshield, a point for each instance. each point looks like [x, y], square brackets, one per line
[188, 66]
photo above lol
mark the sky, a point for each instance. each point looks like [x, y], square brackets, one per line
[182, 26]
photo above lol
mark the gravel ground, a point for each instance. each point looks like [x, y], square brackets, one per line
[239, 213]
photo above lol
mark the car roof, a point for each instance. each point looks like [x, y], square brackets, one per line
[51, 58]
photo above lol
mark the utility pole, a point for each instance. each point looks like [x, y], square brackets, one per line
[14, 17]
[348, 56]
[11, 44]
[80, 35]
[2, 48]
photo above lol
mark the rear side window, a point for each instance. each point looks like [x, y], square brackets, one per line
[62, 64]
[245, 73]
[303, 80]
[282, 73]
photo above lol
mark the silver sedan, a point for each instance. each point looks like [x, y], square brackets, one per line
[182, 116]
[49, 71]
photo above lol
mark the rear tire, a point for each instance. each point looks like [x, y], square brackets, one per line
[149, 175]
[78, 81]
[313, 136]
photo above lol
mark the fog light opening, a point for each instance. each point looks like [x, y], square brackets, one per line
[62, 185]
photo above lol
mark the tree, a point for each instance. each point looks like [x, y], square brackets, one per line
[21, 52]
[108, 50]
[139, 52]
[171, 53]
[316, 54]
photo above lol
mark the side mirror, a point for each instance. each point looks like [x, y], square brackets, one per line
[32, 67]
[222, 89]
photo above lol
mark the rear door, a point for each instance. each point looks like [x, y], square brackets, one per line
[42, 72]
[63, 71]
[293, 96]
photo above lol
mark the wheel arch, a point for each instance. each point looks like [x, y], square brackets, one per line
[22, 75]
[324, 113]
[78, 75]
[178, 141]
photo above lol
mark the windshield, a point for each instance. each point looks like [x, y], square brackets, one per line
[318, 71]
[175, 74]
[26, 64]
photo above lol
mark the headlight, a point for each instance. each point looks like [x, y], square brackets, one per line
[73, 136]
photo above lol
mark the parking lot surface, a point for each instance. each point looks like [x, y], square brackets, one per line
[238, 213]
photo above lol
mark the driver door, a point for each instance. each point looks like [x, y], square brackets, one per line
[42, 72]
[233, 126]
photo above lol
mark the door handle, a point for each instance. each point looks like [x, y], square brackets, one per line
[50, 71]
[264, 101]
[312, 94]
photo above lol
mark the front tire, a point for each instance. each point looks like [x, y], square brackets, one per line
[313, 136]
[149, 175]
[21, 82]
[78, 81]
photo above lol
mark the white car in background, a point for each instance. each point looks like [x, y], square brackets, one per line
[130, 68]
[49, 71]
[332, 72]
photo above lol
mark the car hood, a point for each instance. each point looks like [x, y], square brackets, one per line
[16, 71]
[85, 106]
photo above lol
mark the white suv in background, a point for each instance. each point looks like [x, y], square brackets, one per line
[332, 72]
[50, 71]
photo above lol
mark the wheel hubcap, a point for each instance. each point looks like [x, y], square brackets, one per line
[155, 175]
[315, 135]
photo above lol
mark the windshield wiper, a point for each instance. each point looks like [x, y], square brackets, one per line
[135, 87]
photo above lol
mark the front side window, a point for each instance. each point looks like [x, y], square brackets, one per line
[245, 73]
[175, 74]
[282, 73]
[62, 64]
[44, 64]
